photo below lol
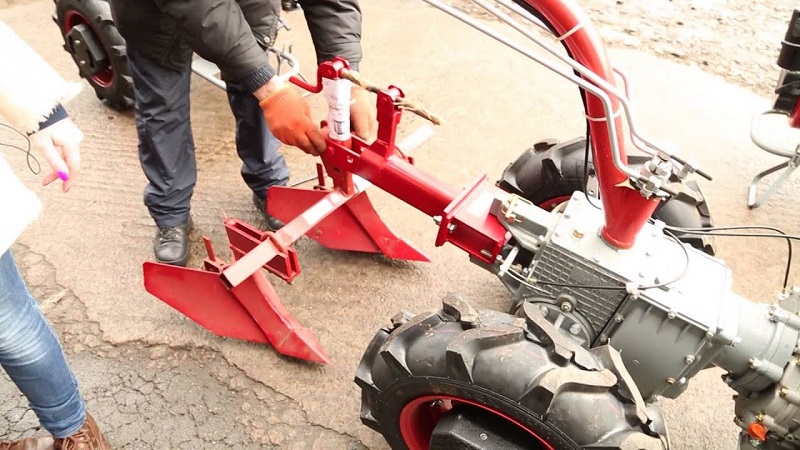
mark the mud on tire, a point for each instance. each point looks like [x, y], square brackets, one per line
[519, 370]
[97, 48]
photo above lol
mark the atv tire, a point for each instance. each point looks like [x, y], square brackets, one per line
[506, 382]
[97, 48]
[550, 172]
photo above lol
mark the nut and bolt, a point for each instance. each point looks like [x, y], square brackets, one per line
[451, 227]
[670, 380]
[575, 329]
[760, 417]
[671, 315]
[783, 392]
[544, 310]
[603, 338]
[483, 436]
[437, 219]
[689, 359]
[618, 318]
[566, 306]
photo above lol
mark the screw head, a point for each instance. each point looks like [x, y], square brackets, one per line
[575, 329]
[566, 306]
[689, 359]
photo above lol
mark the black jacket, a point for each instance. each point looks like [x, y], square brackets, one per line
[228, 32]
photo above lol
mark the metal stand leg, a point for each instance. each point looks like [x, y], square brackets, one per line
[790, 166]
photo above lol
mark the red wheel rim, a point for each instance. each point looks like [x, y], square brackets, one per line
[73, 18]
[549, 205]
[419, 418]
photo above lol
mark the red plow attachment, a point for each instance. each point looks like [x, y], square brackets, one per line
[237, 300]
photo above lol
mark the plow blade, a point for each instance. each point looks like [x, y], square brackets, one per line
[251, 311]
[353, 226]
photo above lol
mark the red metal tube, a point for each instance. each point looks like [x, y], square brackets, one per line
[626, 210]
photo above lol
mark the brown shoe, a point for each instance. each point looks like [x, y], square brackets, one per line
[43, 442]
[88, 437]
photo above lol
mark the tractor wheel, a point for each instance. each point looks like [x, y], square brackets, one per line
[94, 42]
[550, 172]
[461, 379]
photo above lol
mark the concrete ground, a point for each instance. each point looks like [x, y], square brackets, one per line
[155, 380]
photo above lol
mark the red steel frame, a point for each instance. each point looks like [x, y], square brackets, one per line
[237, 300]
[626, 210]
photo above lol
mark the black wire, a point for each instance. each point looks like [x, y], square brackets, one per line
[28, 155]
[714, 231]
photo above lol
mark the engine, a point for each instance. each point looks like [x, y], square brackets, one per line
[669, 316]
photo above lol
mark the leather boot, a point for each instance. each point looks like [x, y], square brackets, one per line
[88, 437]
[40, 442]
[171, 244]
[270, 222]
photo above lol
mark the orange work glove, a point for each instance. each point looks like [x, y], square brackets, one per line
[363, 117]
[288, 117]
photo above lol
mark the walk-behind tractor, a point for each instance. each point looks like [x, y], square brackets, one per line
[617, 299]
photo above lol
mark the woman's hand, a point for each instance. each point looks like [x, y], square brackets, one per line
[59, 144]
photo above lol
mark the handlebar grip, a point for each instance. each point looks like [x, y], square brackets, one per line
[789, 57]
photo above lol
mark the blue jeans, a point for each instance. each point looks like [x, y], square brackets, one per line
[33, 358]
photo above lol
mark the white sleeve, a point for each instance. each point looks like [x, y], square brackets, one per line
[18, 206]
[30, 88]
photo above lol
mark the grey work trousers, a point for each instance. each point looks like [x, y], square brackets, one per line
[166, 144]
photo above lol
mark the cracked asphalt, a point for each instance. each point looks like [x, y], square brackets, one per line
[155, 380]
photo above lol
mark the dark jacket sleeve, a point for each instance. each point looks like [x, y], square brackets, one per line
[218, 31]
[335, 27]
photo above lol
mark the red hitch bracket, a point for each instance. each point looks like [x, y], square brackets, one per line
[237, 300]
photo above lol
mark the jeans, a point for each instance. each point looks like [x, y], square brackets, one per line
[33, 358]
[166, 143]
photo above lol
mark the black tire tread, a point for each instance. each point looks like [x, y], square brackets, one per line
[119, 95]
[435, 346]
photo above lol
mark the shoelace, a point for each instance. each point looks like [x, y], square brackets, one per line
[170, 234]
[72, 442]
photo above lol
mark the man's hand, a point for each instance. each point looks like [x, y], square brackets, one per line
[288, 117]
[59, 143]
[363, 115]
